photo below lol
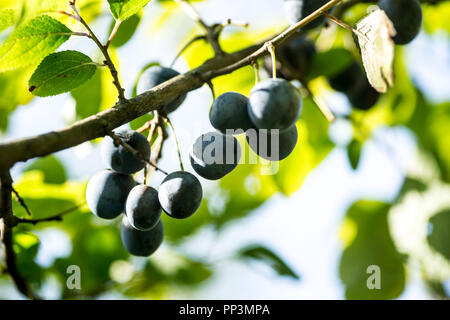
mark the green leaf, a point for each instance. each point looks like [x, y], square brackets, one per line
[124, 9]
[26, 245]
[125, 31]
[6, 18]
[61, 72]
[439, 237]
[371, 245]
[53, 170]
[312, 147]
[329, 63]
[88, 97]
[28, 45]
[354, 153]
[262, 254]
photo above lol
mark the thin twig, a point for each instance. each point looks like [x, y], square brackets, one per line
[113, 33]
[21, 201]
[104, 50]
[133, 151]
[167, 120]
[346, 26]
[57, 217]
[185, 47]
[323, 107]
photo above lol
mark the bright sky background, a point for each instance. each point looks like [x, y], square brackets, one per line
[302, 229]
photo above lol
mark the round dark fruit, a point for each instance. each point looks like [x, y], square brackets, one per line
[274, 104]
[297, 10]
[273, 145]
[107, 192]
[120, 159]
[229, 112]
[142, 207]
[141, 243]
[214, 155]
[180, 194]
[156, 75]
[406, 15]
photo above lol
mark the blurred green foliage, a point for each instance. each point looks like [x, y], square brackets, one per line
[96, 246]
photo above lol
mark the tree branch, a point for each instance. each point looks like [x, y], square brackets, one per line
[6, 236]
[102, 123]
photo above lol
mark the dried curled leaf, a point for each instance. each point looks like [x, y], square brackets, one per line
[375, 33]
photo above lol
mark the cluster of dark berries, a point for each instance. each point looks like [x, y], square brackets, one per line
[113, 191]
[297, 55]
[267, 118]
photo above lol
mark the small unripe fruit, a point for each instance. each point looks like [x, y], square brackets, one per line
[274, 104]
[214, 155]
[120, 159]
[142, 207]
[107, 192]
[180, 194]
[141, 243]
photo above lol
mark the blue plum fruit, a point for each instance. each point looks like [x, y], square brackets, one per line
[214, 155]
[141, 243]
[274, 104]
[297, 10]
[346, 80]
[229, 112]
[363, 97]
[180, 194]
[406, 15]
[156, 75]
[142, 207]
[273, 145]
[107, 192]
[121, 160]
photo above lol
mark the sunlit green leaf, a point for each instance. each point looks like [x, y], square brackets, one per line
[262, 254]
[51, 167]
[61, 72]
[372, 246]
[354, 153]
[29, 44]
[7, 17]
[124, 9]
[439, 237]
[126, 30]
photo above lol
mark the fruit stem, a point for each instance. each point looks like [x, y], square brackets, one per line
[113, 33]
[345, 26]
[255, 66]
[271, 49]
[321, 104]
[136, 153]
[167, 120]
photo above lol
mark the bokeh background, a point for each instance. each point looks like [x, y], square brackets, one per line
[308, 232]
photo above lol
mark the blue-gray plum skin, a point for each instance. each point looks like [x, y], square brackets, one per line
[141, 243]
[274, 104]
[142, 207]
[261, 141]
[215, 155]
[107, 192]
[406, 15]
[156, 75]
[121, 160]
[297, 10]
[229, 112]
[180, 194]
